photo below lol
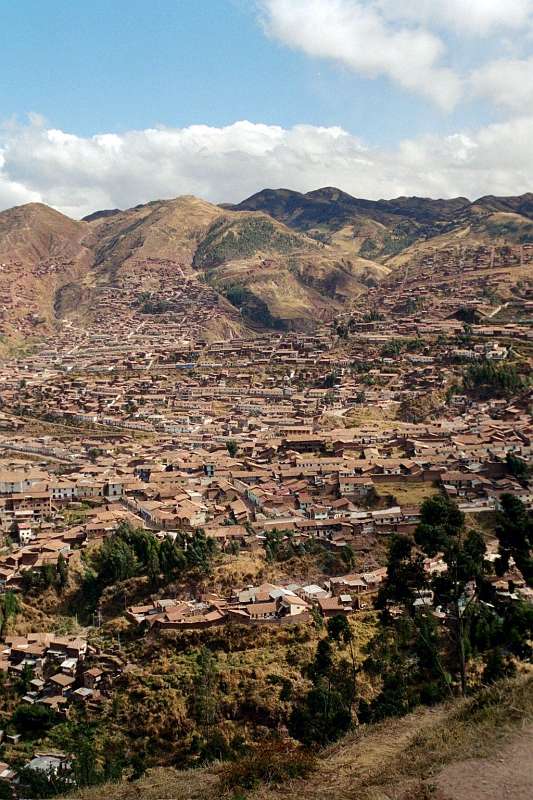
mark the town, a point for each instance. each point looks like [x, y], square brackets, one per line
[290, 460]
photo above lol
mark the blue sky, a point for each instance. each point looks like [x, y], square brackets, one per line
[429, 97]
[123, 64]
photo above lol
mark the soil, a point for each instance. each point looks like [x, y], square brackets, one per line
[508, 775]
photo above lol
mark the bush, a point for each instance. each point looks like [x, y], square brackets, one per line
[493, 380]
[33, 719]
[273, 764]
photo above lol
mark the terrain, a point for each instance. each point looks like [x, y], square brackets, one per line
[476, 748]
[258, 271]
[278, 260]
[384, 230]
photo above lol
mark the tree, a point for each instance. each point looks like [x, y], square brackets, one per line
[116, 561]
[232, 447]
[95, 757]
[330, 380]
[441, 529]
[488, 380]
[39, 783]
[498, 665]
[405, 574]
[9, 608]
[325, 713]
[514, 530]
[339, 631]
[206, 691]
[25, 678]
[33, 719]
[322, 718]
[518, 468]
[62, 572]
[348, 556]
[171, 559]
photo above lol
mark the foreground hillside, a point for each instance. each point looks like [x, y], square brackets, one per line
[479, 748]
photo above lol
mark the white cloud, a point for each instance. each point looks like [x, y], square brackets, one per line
[358, 35]
[508, 83]
[419, 44]
[78, 175]
[463, 17]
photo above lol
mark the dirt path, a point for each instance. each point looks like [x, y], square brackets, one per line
[508, 775]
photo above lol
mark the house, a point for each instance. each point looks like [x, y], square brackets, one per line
[331, 606]
[62, 683]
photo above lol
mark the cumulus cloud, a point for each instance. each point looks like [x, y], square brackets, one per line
[358, 35]
[418, 44]
[508, 83]
[78, 175]
[463, 17]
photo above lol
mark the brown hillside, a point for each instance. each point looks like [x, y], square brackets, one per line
[41, 251]
[280, 259]
[471, 749]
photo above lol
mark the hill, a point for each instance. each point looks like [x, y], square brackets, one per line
[256, 270]
[41, 251]
[273, 276]
[474, 748]
[280, 259]
[383, 229]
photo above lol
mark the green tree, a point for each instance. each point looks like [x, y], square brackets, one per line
[348, 556]
[171, 558]
[232, 447]
[9, 608]
[441, 529]
[116, 561]
[33, 720]
[339, 631]
[62, 572]
[206, 691]
[325, 712]
[514, 530]
[38, 783]
[518, 468]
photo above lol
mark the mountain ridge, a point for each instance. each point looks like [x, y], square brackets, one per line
[281, 259]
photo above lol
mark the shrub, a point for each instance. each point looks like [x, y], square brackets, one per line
[273, 764]
[33, 719]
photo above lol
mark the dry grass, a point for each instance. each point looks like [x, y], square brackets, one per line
[408, 493]
[395, 760]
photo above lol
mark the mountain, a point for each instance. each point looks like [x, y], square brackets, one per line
[384, 229]
[260, 272]
[41, 251]
[280, 259]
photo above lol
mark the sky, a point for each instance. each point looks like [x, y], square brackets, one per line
[110, 104]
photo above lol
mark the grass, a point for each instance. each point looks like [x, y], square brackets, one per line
[394, 759]
[408, 493]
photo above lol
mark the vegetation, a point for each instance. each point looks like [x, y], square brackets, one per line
[228, 240]
[490, 380]
[518, 468]
[250, 305]
[280, 546]
[37, 580]
[271, 766]
[418, 408]
[479, 623]
[232, 447]
[9, 608]
[132, 552]
[514, 530]
[149, 303]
